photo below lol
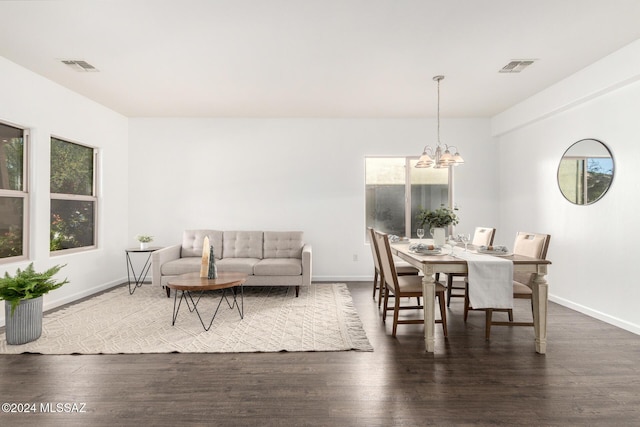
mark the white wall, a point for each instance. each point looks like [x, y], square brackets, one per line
[290, 174]
[592, 247]
[33, 102]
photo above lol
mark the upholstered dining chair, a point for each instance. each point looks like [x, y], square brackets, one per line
[403, 286]
[403, 268]
[481, 236]
[533, 245]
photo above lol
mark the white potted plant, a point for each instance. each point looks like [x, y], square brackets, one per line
[438, 220]
[144, 240]
[23, 302]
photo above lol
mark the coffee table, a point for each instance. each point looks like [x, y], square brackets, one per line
[193, 283]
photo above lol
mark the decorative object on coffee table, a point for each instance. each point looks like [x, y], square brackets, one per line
[23, 302]
[208, 268]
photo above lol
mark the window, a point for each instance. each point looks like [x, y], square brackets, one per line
[13, 192]
[73, 196]
[396, 190]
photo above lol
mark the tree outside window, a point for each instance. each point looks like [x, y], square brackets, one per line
[73, 198]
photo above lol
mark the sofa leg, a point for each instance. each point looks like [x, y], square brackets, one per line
[297, 291]
[168, 291]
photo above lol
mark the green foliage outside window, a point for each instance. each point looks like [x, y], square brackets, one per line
[71, 168]
[72, 175]
[11, 243]
[12, 197]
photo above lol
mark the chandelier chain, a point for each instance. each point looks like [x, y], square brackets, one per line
[439, 111]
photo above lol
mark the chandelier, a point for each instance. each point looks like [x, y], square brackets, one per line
[441, 156]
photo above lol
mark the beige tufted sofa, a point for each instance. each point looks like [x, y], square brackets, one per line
[270, 258]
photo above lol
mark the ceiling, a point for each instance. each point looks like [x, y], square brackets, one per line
[312, 58]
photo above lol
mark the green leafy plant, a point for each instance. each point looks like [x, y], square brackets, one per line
[28, 284]
[441, 217]
[143, 238]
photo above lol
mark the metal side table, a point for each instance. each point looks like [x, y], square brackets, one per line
[139, 277]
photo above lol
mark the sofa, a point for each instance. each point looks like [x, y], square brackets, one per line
[270, 258]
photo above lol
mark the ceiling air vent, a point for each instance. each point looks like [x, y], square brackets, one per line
[516, 66]
[79, 65]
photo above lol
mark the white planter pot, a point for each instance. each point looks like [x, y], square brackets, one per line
[25, 324]
[439, 236]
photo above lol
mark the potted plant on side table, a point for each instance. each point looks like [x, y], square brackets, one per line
[22, 295]
[144, 240]
[438, 220]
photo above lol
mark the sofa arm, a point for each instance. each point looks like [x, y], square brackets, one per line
[159, 257]
[306, 265]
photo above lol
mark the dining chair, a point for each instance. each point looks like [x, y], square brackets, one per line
[533, 245]
[403, 268]
[482, 236]
[403, 286]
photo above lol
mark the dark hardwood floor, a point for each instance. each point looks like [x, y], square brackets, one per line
[589, 376]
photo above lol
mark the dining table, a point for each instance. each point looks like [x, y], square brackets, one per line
[447, 262]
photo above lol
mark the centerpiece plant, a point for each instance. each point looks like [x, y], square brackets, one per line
[441, 217]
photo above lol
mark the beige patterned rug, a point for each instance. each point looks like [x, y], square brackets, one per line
[322, 318]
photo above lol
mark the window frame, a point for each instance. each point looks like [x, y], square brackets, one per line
[408, 220]
[23, 194]
[94, 198]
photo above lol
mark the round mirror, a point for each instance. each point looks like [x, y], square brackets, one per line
[585, 172]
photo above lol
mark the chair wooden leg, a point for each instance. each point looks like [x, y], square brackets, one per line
[443, 313]
[487, 327]
[449, 286]
[386, 305]
[375, 283]
[510, 315]
[396, 314]
[383, 290]
[466, 303]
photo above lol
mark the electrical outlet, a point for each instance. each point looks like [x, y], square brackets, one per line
[355, 257]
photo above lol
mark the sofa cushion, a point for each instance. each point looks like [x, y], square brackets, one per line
[192, 242]
[242, 244]
[181, 266]
[240, 265]
[283, 244]
[278, 267]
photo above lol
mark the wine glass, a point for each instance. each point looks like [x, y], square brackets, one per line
[452, 244]
[465, 238]
[420, 232]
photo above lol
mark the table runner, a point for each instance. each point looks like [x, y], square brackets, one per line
[490, 280]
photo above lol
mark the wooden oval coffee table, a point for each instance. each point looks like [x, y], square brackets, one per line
[192, 282]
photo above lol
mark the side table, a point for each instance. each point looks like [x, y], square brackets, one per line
[131, 272]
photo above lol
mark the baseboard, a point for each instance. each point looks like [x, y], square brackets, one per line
[623, 324]
[342, 279]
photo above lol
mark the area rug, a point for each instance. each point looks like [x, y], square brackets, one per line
[322, 318]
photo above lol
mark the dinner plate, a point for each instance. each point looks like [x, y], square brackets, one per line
[494, 253]
[428, 252]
